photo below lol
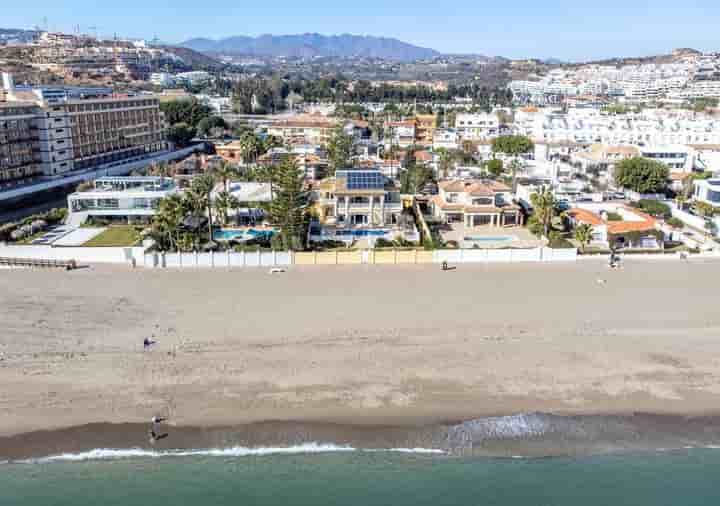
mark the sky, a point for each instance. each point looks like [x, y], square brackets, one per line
[565, 29]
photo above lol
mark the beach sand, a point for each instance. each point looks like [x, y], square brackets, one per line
[406, 346]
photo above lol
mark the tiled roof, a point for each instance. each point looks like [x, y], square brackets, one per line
[615, 227]
[679, 176]
[474, 187]
[585, 216]
[423, 156]
[620, 227]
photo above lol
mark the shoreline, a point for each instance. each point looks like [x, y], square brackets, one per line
[533, 435]
[402, 346]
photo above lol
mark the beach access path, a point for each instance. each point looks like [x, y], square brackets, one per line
[361, 344]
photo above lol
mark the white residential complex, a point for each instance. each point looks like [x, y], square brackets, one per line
[475, 127]
[590, 126]
[691, 76]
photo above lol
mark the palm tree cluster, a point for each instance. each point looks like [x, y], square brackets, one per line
[169, 225]
[252, 146]
[545, 208]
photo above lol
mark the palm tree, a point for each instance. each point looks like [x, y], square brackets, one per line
[250, 147]
[445, 162]
[515, 167]
[166, 222]
[225, 173]
[544, 207]
[200, 194]
[270, 142]
[223, 202]
[583, 235]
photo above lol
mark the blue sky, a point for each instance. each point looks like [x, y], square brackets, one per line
[565, 29]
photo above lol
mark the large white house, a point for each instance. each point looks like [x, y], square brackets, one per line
[476, 203]
[124, 199]
[475, 127]
[708, 191]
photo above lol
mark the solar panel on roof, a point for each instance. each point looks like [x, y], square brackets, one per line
[365, 180]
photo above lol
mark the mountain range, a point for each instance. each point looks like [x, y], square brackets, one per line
[308, 45]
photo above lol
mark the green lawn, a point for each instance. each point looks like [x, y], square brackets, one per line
[121, 235]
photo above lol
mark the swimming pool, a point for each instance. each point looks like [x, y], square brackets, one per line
[361, 233]
[491, 238]
[225, 234]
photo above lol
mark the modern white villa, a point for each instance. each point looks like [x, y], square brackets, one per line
[251, 197]
[120, 199]
[708, 191]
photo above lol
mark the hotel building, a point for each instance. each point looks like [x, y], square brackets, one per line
[18, 142]
[72, 134]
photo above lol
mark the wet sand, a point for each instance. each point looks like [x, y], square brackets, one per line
[364, 346]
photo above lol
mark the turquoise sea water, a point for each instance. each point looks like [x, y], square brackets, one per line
[685, 478]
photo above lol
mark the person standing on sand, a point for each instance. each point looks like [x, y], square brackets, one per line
[154, 436]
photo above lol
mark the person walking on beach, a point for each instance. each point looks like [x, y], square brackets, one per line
[154, 436]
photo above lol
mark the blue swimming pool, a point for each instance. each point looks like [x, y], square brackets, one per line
[491, 238]
[361, 233]
[225, 234]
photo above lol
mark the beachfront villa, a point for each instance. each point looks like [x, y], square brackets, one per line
[358, 197]
[358, 203]
[618, 225]
[708, 191]
[476, 203]
[120, 199]
[252, 196]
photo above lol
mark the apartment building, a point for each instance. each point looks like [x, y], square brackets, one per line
[164, 79]
[71, 134]
[18, 142]
[80, 134]
[445, 138]
[400, 134]
[304, 130]
[425, 125]
[590, 126]
[475, 127]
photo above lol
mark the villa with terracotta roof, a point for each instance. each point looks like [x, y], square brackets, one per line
[603, 155]
[304, 129]
[619, 225]
[476, 203]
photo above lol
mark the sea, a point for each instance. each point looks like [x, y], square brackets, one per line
[317, 475]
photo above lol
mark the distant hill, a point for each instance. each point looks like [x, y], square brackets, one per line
[195, 59]
[17, 34]
[308, 45]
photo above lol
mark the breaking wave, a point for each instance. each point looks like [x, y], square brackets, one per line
[236, 451]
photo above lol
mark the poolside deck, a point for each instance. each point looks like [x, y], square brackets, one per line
[490, 237]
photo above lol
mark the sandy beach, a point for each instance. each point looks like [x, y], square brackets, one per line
[406, 346]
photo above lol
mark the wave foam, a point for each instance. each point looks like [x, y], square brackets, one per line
[236, 451]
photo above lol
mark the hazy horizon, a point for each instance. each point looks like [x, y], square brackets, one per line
[556, 29]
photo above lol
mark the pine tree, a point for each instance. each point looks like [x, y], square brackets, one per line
[340, 148]
[289, 205]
